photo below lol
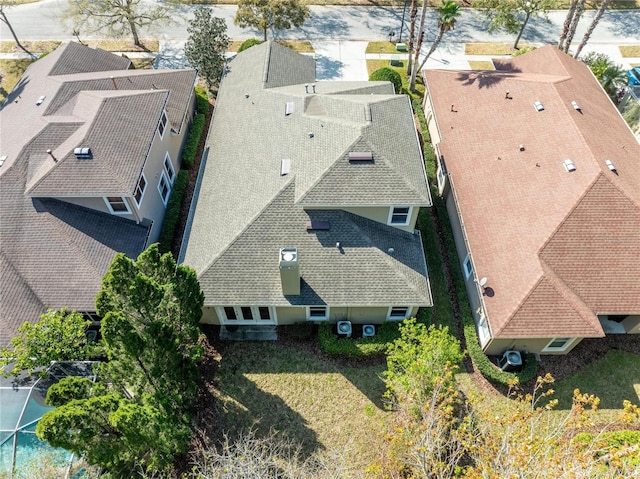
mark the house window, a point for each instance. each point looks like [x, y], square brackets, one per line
[168, 168]
[399, 215]
[230, 313]
[441, 176]
[247, 313]
[163, 124]
[264, 313]
[398, 313]
[117, 205]
[467, 267]
[558, 344]
[164, 188]
[139, 193]
[317, 313]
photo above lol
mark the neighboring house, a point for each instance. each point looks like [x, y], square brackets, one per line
[308, 200]
[541, 177]
[89, 150]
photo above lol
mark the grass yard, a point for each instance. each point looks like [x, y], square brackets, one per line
[381, 47]
[627, 51]
[491, 48]
[318, 403]
[613, 378]
[481, 65]
[11, 71]
[373, 65]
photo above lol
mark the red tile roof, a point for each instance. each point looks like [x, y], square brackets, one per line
[557, 247]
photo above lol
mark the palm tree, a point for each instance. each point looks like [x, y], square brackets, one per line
[448, 14]
[612, 79]
[592, 27]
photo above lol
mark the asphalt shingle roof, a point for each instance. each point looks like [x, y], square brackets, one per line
[53, 253]
[526, 218]
[250, 135]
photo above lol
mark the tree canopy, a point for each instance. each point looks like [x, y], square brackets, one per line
[58, 336]
[266, 14]
[139, 412]
[206, 46]
[117, 18]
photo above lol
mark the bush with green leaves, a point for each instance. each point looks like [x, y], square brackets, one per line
[248, 43]
[202, 100]
[376, 345]
[190, 149]
[387, 74]
[172, 215]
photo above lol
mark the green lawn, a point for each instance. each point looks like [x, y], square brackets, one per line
[373, 65]
[629, 50]
[613, 378]
[481, 65]
[315, 401]
[381, 47]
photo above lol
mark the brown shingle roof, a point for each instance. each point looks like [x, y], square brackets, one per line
[525, 216]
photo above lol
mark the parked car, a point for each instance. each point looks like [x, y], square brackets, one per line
[634, 76]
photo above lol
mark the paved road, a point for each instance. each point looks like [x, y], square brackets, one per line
[41, 20]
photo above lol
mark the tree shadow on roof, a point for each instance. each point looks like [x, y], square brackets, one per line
[485, 78]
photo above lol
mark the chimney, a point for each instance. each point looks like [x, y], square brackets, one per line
[289, 271]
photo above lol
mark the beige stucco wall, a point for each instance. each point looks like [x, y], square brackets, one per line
[209, 315]
[381, 215]
[532, 345]
[632, 324]
[291, 314]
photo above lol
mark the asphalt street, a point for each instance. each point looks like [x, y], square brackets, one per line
[42, 20]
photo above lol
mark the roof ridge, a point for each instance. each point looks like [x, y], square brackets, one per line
[519, 305]
[17, 272]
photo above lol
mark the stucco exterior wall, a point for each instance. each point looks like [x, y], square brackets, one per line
[533, 345]
[376, 213]
[632, 324]
[209, 315]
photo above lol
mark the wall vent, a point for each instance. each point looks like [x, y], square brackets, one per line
[575, 106]
[360, 156]
[83, 153]
[569, 165]
[285, 166]
[538, 105]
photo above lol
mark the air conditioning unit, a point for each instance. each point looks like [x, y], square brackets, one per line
[510, 361]
[344, 328]
[368, 330]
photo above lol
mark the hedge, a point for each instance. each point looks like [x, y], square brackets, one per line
[248, 43]
[387, 74]
[172, 215]
[376, 345]
[202, 100]
[193, 140]
[480, 360]
[610, 441]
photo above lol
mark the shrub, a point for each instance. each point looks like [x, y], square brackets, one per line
[172, 215]
[193, 140]
[248, 44]
[387, 74]
[376, 345]
[611, 441]
[202, 100]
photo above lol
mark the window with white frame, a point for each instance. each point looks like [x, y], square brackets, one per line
[399, 215]
[164, 188]
[317, 313]
[162, 126]
[117, 205]
[398, 313]
[441, 176]
[168, 168]
[558, 344]
[467, 267]
[230, 313]
[246, 314]
[264, 313]
[140, 187]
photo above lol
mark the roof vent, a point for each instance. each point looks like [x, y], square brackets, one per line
[569, 165]
[575, 106]
[310, 134]
[246, 95]
[538, 105]
[83, 153]
[288, 108]
[360, 156]
[285, 166]
[609, 164]
[318, 225]
[3, 158]
[40, 100]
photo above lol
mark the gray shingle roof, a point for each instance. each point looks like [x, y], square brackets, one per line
[361, 272]
[52, 253]
[251, 134]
